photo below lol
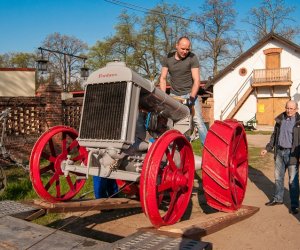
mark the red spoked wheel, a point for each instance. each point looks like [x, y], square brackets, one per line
[167, 179]
[225, 165]
[47, 155]
[127, 187]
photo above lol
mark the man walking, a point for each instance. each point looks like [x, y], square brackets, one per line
[183, 67]
[285, 141]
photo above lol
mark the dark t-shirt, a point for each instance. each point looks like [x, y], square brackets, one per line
[180, 72]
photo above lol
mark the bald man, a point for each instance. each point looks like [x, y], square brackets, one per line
[183, 68]
[285, 141]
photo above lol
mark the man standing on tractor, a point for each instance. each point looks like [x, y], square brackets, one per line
[183, 68]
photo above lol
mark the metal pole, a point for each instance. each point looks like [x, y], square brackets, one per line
[65, 63]
[62, 53]
[65, 73]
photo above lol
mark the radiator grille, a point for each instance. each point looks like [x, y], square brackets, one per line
[103, 111]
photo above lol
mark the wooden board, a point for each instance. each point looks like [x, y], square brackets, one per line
[205, 224]
[265, 114]
[272, 107]
[82, 205]
[279, 105]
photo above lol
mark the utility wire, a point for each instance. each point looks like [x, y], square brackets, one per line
[148, 11]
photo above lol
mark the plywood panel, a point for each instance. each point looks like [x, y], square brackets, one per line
[264, 114]
[269, 108]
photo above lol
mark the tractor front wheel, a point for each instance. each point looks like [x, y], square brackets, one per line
[167, 179]
[47, 156]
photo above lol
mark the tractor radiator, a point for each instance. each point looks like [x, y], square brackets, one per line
[108, 114]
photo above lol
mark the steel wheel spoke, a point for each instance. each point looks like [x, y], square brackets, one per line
[53, 179]
[64, 143]
[239, 180]
[52, 148]
[171, 206]
[164, 186]
[73, 145]
[184, 167]
[72, 187]
[241, 160]
[48, 157]
[47, 169]
[237, 144]
[57, 187]
[170, 160]
[173, 150]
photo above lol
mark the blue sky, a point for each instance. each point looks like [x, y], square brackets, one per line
[24, 24]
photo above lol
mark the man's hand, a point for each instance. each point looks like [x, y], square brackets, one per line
[190, 101]
[263, 152]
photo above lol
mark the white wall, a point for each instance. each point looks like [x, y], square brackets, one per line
[15, 82]
[290, 58]
[248, 110]
[226, 87]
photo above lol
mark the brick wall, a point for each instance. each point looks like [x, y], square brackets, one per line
[72, 111]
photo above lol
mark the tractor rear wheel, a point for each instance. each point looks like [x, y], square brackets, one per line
[225, 165]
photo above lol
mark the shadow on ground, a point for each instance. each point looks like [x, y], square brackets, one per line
[85, 226]
[198, 200]
[267, 186]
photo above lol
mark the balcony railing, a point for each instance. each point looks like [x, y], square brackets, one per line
[271, 75]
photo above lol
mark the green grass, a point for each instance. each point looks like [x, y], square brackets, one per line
[18, 185]
[258, 132]
[197, 147]
[256, 160]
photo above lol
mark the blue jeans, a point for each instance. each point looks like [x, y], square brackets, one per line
[281, 164]
[197, 120]
[104, 187]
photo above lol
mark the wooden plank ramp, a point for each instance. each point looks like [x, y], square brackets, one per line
[84, 205]
[206, 224]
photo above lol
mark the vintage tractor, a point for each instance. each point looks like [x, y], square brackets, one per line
[135, 133]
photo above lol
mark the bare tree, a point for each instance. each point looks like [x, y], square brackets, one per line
[64, 69]
[161, 28]
[273, 16]
[18, 60]
[168, 24]
[142, 42]
[219, 41]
